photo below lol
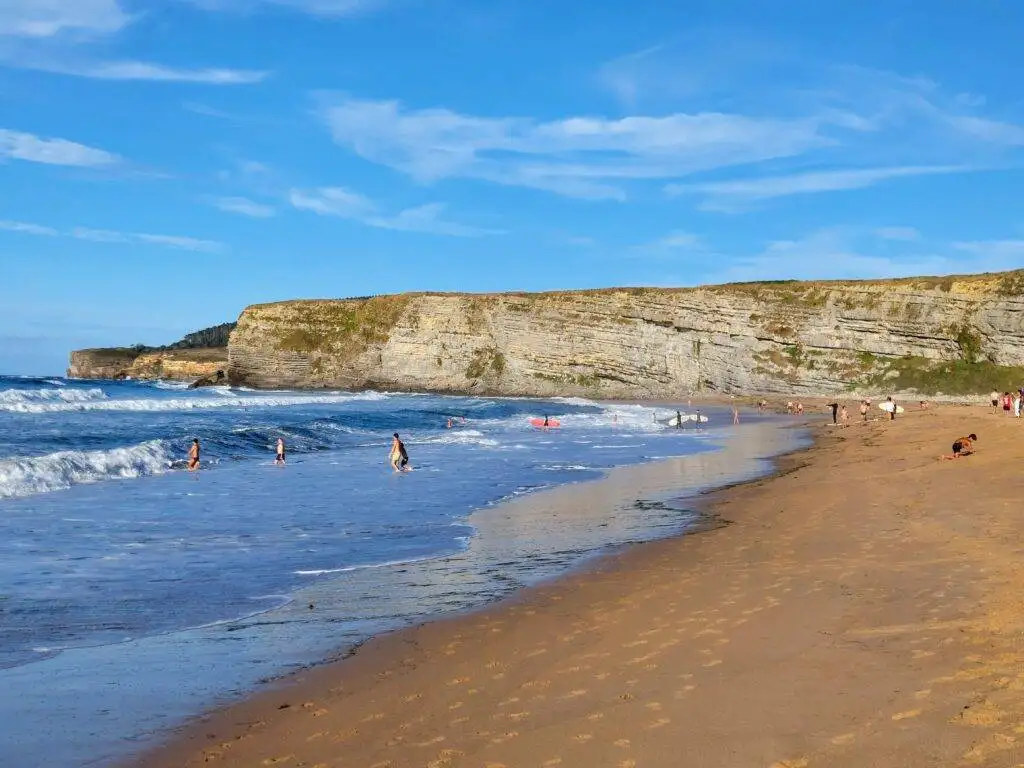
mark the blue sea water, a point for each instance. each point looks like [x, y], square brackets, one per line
[133, 595]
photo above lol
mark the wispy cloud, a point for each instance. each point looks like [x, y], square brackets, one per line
[245, 207]
[25, 228]
[346, 204]
[17, 145]
[55, 36]
[579, 156]
[994, 254]
[116, 237]
[729, 196]
[325, 8]
[48, 18]
[142, 70]
[824, 254]
[903, 234]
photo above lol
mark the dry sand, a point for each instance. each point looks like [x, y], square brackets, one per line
[864, 608]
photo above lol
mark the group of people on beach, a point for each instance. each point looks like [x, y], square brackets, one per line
[1010, 402]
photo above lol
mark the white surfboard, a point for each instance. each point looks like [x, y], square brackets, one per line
[888, 407]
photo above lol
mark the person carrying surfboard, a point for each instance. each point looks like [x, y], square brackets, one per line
[399, 457]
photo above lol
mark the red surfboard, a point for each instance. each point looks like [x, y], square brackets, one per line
[540, 423]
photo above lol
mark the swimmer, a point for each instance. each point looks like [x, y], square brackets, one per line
[449, 423]
[962, 446]
[193, 455]
[279, 458]
[399, 458]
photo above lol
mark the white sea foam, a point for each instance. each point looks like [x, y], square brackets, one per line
[459, 437]
[350, 568]
[10, 399]
[57, 471]
[172, 403]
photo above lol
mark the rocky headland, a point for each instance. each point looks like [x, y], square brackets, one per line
[198, 357]
[950, 335]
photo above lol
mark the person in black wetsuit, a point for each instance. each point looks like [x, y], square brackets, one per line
[835, 412]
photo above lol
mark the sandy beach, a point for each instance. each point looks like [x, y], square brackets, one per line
[864, 607]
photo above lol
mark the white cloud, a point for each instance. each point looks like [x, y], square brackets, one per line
[905, 234]
[826, 254]
[142, 70]
[27, 229]
[182, 243]
[993, 255]
[728, 196]
[346, 204]
[115, 237]
[99, 235]
[18, 145]
[577, 156]
[326, 8]
[47, 18]
[245, 207]
[49, 35]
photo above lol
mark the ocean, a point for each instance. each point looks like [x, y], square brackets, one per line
[134, 595]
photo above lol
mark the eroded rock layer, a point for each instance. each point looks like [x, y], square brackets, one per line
[952, 335]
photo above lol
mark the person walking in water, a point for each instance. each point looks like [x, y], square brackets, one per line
[279, 457]
[399, 456]
[193, 455]
[735, 415]
[679, 419]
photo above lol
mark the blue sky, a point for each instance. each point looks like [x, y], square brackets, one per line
[163, 163]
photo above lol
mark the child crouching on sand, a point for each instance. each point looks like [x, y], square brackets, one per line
[962, 446]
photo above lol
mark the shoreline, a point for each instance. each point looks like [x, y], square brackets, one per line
[864, 608]
[732, 465]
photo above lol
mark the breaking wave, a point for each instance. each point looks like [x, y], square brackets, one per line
[10, 399]
[222, 399]
[61, 470]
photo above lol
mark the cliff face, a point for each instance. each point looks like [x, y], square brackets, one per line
[178, 364]
[952, 335]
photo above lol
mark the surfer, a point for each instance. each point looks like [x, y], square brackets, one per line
[193, 455]
[891, 408]
[963, 446]
[399, 456]
[546, 422]
[679, 419]
[835, 412]
[279, 458]
[698, 419]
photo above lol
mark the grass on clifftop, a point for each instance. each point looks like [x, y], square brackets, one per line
[948, 377]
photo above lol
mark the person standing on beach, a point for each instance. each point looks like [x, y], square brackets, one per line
[864, 409]
[835, 412]
[892, 408]
[193, 456]
[279, 457]
[994, 397]
[844, 415]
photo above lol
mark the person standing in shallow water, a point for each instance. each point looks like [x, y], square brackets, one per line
[279, 457]
[193, 456]
[399, 458]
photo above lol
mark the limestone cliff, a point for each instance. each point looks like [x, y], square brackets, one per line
[120, 363]
[952, 335]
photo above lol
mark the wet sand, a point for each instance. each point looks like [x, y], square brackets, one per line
[865, 607]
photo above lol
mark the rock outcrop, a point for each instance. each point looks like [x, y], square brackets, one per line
[131, 363]
[952, 335]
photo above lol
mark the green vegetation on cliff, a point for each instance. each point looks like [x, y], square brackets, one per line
[342, 328]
